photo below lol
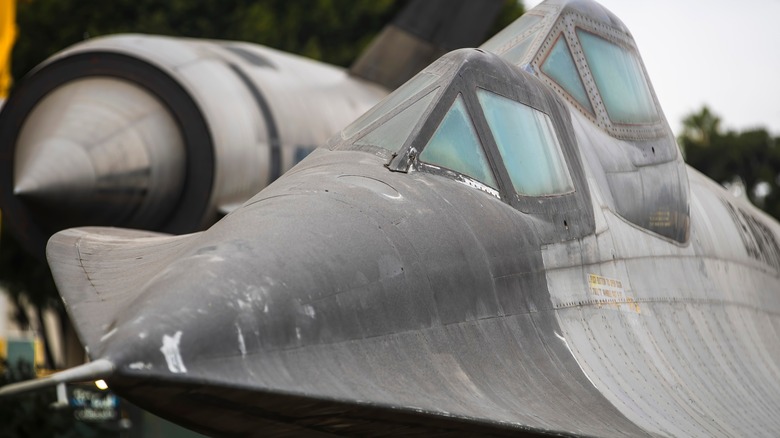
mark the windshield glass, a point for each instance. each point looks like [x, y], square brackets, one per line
[455, 146]
[528, 146]
[390, 102]
[620, 80]
[559, 66]
[392, 134]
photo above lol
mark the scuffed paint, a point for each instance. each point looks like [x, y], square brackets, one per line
[170, 349]
[108, 335]
[140, 366]
[241, 343]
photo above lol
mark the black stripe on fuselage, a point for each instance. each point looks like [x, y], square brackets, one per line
[273, 132]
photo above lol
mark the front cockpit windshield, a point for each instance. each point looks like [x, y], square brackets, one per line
[418, 83]
[528, 145]
[465, 131]
[455, 146]
[392, 134]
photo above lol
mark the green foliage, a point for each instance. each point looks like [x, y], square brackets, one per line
[699, 128]
[750, 156]
[333, 31]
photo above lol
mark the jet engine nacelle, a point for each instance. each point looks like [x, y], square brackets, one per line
[161, 133]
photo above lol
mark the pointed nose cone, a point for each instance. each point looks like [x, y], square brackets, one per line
[59, 172]
[99, 151]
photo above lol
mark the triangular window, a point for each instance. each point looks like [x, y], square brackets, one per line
[392, 134]
[559, 66]
[455, 146]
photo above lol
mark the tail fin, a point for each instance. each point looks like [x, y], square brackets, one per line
[420, 34]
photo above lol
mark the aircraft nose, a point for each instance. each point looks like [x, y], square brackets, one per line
[285, 273]
[194, 311]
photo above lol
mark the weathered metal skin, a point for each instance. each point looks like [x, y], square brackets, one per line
[415, 294]
[368, 292]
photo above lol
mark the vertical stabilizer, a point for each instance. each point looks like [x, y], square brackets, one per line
[421, 33]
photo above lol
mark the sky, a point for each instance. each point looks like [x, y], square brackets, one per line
[721, 53]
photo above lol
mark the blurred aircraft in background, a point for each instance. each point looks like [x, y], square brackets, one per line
[167, 134]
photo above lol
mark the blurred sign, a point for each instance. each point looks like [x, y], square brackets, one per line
[20, 350]
[94, 406]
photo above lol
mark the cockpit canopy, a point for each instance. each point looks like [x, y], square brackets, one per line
[496, 124]
[475, 118]
[486, 121]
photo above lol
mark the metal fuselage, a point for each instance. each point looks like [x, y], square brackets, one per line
[371, 292]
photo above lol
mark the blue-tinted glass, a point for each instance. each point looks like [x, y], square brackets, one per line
[620, 80]
[392, 134]
[528, 145]
[559, 66]
[455, 146]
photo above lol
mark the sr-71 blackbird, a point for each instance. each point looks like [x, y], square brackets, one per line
[509, 243]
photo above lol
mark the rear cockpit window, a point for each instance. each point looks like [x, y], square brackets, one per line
[455, 146]
[392, 134]
[620, 80]
[559, 66]
[528, 146]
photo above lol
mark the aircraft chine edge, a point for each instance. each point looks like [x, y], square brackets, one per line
[508, 244]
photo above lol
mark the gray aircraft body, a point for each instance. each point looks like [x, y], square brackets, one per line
[508, 244]
[168, 134]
